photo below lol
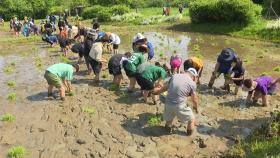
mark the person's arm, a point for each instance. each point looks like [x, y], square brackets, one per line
[160, 89]
[249, 97]
[195, 101]
[264, 100]
[238, 79]
[275, 81]
[217, 66]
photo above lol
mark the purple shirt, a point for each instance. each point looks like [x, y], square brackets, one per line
[263, 84]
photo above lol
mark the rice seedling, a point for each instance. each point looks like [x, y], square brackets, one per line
[277, 69]
[242, 45]
[12, 96]
[65, 59]
[13, 63]
[8, 117]
[196, 47]
[8, 70]
[264, 73]
[11, 83]
[154, 120]
[38, 62]
[17, 152]
[161, 54]
[212, 38]
[105, 75]
[71, 93]
[89, 110]
[113, 87]
[214, 44]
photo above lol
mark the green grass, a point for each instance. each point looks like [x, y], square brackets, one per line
[264, 142]
[8, 117]
[88, 109]
[11, 83]
[17, 152]
[12, 96]
[154, 120]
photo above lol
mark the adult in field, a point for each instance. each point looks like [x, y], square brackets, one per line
[225, 63]
[150, 77]
[113, 40]
[260, 88]
[194, 62]
[60, 76]
[95, 60]
[2, 22]
[179, 88]
[90, 38]
[175, 63]
[115, 68]
[130, 66]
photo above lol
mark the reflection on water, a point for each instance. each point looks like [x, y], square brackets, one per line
[166, 45]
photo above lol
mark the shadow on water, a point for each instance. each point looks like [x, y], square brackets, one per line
[139, 126]
[38, 97]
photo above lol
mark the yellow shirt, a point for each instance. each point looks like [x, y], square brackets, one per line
[197, 63]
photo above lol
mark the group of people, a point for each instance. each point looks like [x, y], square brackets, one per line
[154, 79]
[26, 27]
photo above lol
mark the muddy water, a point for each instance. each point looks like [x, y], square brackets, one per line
[54, 129]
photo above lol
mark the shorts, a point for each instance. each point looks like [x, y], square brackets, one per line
[176, 63]
[114, 69]
[238, 83]
[183, 113]
[271, 90]
[226, 75]
[53, 79]
[115, 46]
[95, 65]
[144, 83]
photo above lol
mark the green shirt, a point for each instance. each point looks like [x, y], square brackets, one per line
[64, 71]
[134, 61]
[154, 73]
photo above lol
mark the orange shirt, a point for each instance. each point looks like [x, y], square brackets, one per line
[197, 63]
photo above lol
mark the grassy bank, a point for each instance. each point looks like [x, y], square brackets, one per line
[264, 142]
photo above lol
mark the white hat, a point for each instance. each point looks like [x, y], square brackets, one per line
[193, 72]
[139, 36]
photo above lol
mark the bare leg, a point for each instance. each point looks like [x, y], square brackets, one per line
[236, 90]
[256, 97]
[190, 127]
[155, 99]
[132, 82]
[62, 93]
[145, 95]
[212, 80]
[96, 78]
[50, 90]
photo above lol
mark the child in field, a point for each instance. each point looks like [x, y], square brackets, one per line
[238, 77]
[78, 48]
[175, 63]
[260, 88]
[196, 63]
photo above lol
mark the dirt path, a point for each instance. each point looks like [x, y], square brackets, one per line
[55, 129]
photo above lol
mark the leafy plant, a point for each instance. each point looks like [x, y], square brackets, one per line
[38, 62]
[8, 117]
[17, 152]
[277, 69]
[12, 96]
[65, 59]
[154, 120]
[89, 110]
[105, 75]
[8, 70]
[11, 83]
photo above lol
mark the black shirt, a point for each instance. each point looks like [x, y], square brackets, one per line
[115, 59]
[78, 48]
[238, 71]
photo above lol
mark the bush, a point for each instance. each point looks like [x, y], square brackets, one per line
[119, 10]
[104, 13]
[226, 11]
[57, 10]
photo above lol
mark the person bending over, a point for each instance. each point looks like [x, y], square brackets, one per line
[60, 76]
[195, 63]
[260, 88]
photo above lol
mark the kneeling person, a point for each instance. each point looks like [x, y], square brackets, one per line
[60, 75]
[151, 77]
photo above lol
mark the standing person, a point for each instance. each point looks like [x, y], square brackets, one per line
[238, 77]
[224, 65]
[196, 63]
[95, 60]
[17, 26]
[26, 29]
[181, 9]
[114, 66]
[115, 40]
[260, 88]
[53, 19]
[60, 76]
[130, 66]
[175, 63]
[149, 78]
[2, 22]
[96, 26]
[11, 24]
[164, 11]
[82, 33]
[61, 24]
[179, 87]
